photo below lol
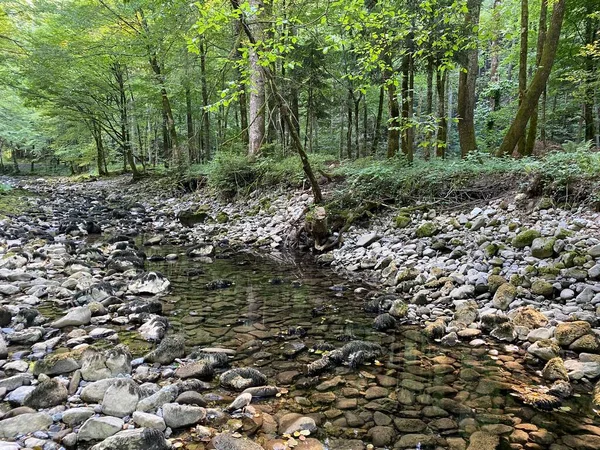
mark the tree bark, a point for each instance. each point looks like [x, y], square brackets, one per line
[257, 86]
[538, 83]
[523, 65]
[205, 135]
[405, 133]
[429, 108]
[533, 122]
[377, 127]
[349, 103]
[494, 98]
[442, 131]
[393, 139]
[591, 67]
[466, 84]
[190, 125]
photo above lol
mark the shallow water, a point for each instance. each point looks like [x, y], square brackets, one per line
[267, 315]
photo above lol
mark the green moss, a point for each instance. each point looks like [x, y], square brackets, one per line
[563, 234]
[495, 281]
[517, 280]
[545, 203]
[543, 247]
[427, 229]
[13, 201]
[491, 250]
[222, 217]
[525, 238]
[542, 287]
[550, 270]
[401, 221]
[512, 226]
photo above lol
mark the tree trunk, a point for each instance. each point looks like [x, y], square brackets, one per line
[257, 85]
[100, 158]
[356, 124]
[533, 122]
[191, 141]
[205, 113]
[494, 99]
[14, 158]
[442, 131]
[429, 108]
[466, 84]
[538, 83]
[349, 103]
[406, 101]
[523, 66]
[591, 67]
[393, 141]
[125, 135]
[365, 128]
[377, 127]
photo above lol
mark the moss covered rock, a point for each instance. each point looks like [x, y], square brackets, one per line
[568, 332]
[402, 221]
[504, 296]
[495, 281]
[525, 238]
[222, 217]
[491, 250]
[543, 247]
[542, 287]
[530, 318]
[555, 370]
[427, 229]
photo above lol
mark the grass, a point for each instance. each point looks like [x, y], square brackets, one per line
[12, 201]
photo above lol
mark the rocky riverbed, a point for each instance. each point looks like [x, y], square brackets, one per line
[133, 318]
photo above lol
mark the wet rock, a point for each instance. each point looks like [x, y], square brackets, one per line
[367, 239]
[586, 343]
[384, 322]
[382, 436]
[48, 393]
[555, 370]
[262, 391]
[481, 440]
[154, 329]
[74, 318]
[399, 309]
[179, 416]
[292, 422]
[226, 441]
[24, 424]
[121, 398]
[137, 439]
[171, 347]
[242, 378]
[582, 441]
[435, 330]
[567, 333]
[199, 369]
[93, 365]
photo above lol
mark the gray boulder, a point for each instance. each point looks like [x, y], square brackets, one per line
[74, 318]
[170, 347]
[146, 420]
[99, 428]
[121, 398]
[47, 394]
[24, 424]
[137, 439]
[179, 416]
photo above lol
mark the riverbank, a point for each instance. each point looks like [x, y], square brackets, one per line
[479, 279]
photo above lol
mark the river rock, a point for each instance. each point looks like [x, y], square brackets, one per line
[146, 420]
[242, 378]
[94, 392]
[544, 349]
[57, 364]
[179, 416]
[93, 365]
[529, 317]
[48, 393]
[136, 439]
[567, 333]
[76, 317]
[170, 348]
[226, 441]
[166, 394]
[291, 422]
[76, 416]
[543, 247]
[150, 283]
[555, 370]
[24, 424]
[121, 398]
[99, 428]
[504, 296]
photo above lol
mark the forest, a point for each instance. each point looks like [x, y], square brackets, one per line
[142, 86]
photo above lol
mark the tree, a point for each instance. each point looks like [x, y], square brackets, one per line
[538, 83]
